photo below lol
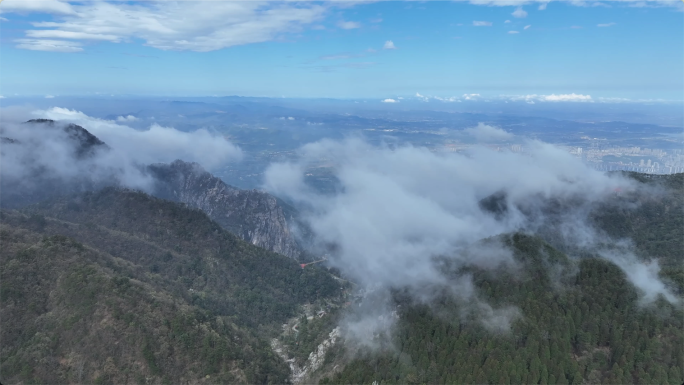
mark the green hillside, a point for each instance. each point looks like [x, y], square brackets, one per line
[120, 287]
[580, 323]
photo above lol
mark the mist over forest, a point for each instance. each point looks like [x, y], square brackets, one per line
[341, 192]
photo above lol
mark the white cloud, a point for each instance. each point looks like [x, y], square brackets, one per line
[3, 19]
[398, 208]
[49, 45]
[182, 26]
[519, 13]
[527, 27]
[470, 96]
[486, 133]
[605, 25]
[482, 23]
[193, 25]
[542, 6]
[2, 97]
[550, 98]
[440, 98]
[57, 34]
[129, 118]
[567, 98]
[49, 97]
[349, 24]
[507, 21]
[156, 144]
[389, 45]
[43, 6]
[449, 99]
[513, 32]
[389, 101]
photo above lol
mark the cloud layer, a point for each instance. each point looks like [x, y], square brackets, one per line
[396, 209]
[156, 144]
[40, 153]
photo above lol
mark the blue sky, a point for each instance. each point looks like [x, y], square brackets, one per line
[627, 49]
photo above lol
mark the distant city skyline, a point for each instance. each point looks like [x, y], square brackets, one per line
[448, 51]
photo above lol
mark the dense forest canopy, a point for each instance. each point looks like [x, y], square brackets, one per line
[117, 286]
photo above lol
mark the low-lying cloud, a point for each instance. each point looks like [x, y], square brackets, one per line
[397, 209]
[486, 133]
[154, 145]
[40, 160]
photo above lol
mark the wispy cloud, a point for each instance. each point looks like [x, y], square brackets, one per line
[513, 32]
[128, 118]
[349, 24]
[389, 45]
[49, 97]
[482, 23]
[542, 6]
[507, 21]
[606, 25]
[573, 97]
[527, 27]
[59, 34]
[43, 6]
[389, 101]
[184, 26]
[519, 13]
[486, 133]
[49, 45]
[378, 20]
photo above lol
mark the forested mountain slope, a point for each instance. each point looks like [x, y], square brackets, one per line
[653, 218]
[117, 287]
[580, 322]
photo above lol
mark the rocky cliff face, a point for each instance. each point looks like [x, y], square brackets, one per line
[252, 215]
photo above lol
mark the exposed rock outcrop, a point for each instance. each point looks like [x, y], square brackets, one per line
[253, 215]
